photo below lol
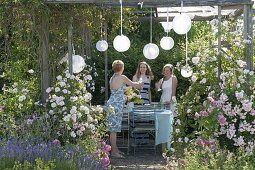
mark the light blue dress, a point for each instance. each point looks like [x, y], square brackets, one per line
[116, 100]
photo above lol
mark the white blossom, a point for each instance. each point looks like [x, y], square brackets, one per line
[30, 71]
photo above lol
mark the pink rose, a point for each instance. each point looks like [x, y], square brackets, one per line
[221, 120]
[107, 148]
[106, 161]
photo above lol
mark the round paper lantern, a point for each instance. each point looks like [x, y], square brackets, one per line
[102, 45]
[121, 43]
[181, 24]
[186, 71]
[78, 63]
[167, 43]
[151, 51]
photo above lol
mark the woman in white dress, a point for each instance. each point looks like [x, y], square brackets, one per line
[167, 85]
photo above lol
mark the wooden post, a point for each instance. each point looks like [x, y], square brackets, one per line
[88, 41]
[83, 41]
[70, 49]
[44, 54]
[106, 66]
[248, 36]
[219, 42]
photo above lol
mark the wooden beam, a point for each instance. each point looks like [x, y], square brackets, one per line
[70, 47]
[44, 55]
[219, 43]
[106, 80]
[163, 19]
[156, 3]
[248, 36]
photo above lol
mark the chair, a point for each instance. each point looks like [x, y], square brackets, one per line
[125, 128]
[143, 128]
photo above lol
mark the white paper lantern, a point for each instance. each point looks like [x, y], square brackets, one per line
[121, 43]
[167, 26]
[102, 45]
[151, 51]
[181, 23]
[167, 43]
[78, 63]
[186, 71]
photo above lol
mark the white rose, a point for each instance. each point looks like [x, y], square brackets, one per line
[73, 134]
[194, 78]
[53, 105]
[59, 77]
[57, 89]
[30, 71]
[48, 90]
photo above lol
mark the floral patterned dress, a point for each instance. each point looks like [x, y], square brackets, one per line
[117, 101]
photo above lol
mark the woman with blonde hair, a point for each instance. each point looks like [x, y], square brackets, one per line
[168, 85]
[116, 101]
[145, 75]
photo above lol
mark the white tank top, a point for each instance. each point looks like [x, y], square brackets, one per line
[166, 91]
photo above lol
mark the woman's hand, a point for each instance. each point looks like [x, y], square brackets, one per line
[174, 99]
[157, 85]
[140, 85]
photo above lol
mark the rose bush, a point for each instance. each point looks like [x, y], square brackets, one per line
[219, 103]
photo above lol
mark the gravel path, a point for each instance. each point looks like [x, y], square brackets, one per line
[142, 160]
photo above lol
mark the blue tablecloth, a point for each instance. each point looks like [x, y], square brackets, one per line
[164, 126]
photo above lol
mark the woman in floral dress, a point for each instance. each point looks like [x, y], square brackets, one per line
[116, 101]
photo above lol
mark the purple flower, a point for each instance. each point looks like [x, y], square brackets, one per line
[1, 108]
[221, 120]
[56, 142]
[203, 113]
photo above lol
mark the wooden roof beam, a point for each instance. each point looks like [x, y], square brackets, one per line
[156, 3]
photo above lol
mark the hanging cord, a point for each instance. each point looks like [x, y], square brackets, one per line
[186, 49]
[151, 27]
[101, 25]
[181, 6]
[101, 31]
[167, 21]
[120, 17]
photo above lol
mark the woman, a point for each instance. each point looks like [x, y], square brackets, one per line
[168, 85]
[145, 75]
[118, 84]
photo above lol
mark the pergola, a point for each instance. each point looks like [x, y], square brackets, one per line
[198, 10]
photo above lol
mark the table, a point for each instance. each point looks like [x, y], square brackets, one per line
[163, 126]
[162, 118]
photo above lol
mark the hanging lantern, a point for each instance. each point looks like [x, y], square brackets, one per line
[78, 63]
[167, 43]
[102, 45]
[121, 43]
[186, 71]
[181, 24]
[167, 26]
[151, 51]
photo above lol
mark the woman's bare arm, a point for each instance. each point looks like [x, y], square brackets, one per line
[174, 86]
[128, 82]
